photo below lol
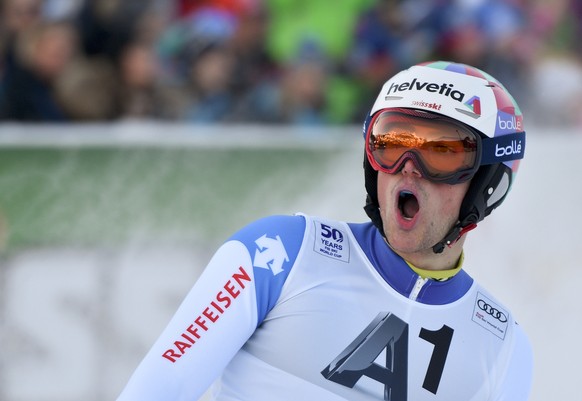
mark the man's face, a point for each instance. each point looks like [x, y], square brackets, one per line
[417, 213]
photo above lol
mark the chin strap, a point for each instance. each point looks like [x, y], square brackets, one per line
[453, 236]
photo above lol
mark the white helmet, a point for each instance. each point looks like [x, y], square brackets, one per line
[479, 102]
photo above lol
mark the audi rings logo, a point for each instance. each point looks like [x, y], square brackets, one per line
[491, 316]
[492, 311]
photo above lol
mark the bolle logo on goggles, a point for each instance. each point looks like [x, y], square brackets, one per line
[503, 148]
[442, 89]
[514, 148]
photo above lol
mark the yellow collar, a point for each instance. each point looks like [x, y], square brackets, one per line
[439, 275]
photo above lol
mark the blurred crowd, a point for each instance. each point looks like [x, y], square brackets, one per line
[273, 61]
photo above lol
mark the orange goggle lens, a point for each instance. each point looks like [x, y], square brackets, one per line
[443, 151]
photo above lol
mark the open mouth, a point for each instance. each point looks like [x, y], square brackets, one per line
[407, 204]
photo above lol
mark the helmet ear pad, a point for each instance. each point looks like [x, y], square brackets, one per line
[488, 188]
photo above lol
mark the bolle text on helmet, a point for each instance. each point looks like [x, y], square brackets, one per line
[512, 124]
[442, 89]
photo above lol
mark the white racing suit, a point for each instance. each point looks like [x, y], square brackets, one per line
[302, 308]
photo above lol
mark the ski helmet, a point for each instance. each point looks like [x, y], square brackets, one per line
[479, 102]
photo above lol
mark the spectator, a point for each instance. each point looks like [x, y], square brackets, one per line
[88, 90]
[297, 95]
[15, 16]
[196, 54]
[106, 26]
[42, 54]
[303, 97]
[210, 85]
[138, 73]
[253, 64]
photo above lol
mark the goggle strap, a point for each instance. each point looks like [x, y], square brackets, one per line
[503, 148]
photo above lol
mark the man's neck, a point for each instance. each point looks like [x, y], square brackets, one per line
[427, 260]
[439, 275]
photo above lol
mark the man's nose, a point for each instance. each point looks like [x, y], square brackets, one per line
[410, 167]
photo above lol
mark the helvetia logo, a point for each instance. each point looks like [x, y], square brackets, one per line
[442, 89]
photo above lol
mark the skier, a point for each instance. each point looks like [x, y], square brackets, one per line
[307, 308]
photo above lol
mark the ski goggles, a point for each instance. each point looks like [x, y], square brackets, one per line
[443, 150]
